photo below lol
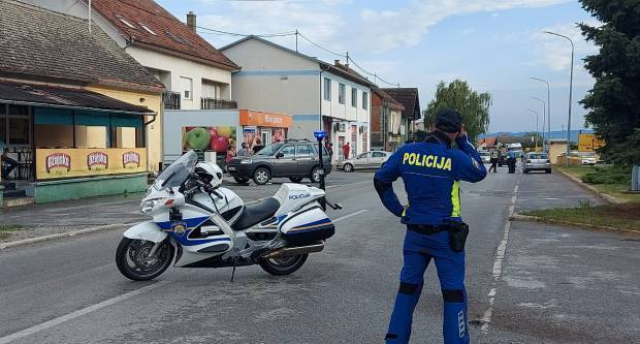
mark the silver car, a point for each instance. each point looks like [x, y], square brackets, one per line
[536, 162]
[368, 160]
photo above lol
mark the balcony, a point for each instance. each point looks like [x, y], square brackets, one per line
[217, 104]
[171, 100]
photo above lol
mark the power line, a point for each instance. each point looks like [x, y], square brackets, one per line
[319, 46]
[298, 33]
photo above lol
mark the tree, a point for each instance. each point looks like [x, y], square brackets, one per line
[473, 106]
[614, 101]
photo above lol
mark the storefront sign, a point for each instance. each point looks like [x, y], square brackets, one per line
[69, 163]
[264, 119]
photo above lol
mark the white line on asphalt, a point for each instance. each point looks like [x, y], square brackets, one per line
[349, 215]
[343, 185]
[497, 264]
[57, 321]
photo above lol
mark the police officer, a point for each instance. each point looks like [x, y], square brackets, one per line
[431, 171]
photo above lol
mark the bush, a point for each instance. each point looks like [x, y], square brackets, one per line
[608, 175]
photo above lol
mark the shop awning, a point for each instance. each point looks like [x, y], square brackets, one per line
[55, 97]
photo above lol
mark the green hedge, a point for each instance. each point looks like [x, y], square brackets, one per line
[608, 175]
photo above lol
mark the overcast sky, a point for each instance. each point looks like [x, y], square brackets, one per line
[494, 45]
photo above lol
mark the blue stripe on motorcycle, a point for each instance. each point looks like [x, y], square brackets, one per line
[325, 220]
[191, 223]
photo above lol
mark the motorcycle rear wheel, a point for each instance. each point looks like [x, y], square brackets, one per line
[284, 265]
[134, 262]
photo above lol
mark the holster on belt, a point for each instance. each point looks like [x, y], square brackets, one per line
[458, 232]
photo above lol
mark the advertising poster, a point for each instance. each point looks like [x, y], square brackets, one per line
[249, 133]
[278, 135]
[67, 163]
[589, 143]
[206, 139]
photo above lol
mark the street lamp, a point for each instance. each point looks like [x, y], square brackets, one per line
[548, 105]
[543, 116]
[537, 130]
[566, 162]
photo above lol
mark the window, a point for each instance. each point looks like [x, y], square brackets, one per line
[378, 155]
[341, 93]
[365, 100]
[364, 155]
[288, 151]
[305, 150]
[327, 89]
[186, 86]
[125, 22]
[354, 97]
[147, 29]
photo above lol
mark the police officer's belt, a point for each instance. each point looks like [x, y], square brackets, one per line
[427, 229]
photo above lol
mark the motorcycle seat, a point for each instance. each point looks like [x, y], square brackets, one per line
[256, 212]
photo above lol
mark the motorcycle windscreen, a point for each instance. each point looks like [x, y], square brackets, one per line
[308, 227]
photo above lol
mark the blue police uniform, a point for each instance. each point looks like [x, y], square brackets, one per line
[431, 172]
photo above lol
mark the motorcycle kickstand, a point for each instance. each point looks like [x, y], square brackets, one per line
[233, 272]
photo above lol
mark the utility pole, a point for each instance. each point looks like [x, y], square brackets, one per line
[543, 116]
[548, 105]
[297, 40]
[537, 128]
[570, 95]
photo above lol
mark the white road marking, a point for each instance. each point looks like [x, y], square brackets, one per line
[57, 321]
[350, 184]
[347, 216]
[497, 264]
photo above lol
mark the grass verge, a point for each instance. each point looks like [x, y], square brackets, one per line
[616, 190]
[623, 216]
[5, 230]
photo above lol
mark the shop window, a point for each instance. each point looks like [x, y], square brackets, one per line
[91, 137]
[305, 150]
[18, 125]
[53, 136]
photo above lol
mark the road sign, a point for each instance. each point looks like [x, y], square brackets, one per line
[589, 143]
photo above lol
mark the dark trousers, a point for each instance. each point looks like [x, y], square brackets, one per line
[494, 165]
[8, 165]
[512, 165]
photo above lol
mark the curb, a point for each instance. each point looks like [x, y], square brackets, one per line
[610, 199]
[528, 218]
[44, 238]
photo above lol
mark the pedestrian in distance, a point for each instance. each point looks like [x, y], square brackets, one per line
[432, 171]
[243, 150]
[258, 147]
[346, 150]
[511, 161]
[495, 155]
[329, 148]
[7, 164]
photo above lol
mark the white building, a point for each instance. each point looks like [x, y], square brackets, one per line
[319, 95]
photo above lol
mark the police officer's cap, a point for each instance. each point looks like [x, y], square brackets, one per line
[449, 121]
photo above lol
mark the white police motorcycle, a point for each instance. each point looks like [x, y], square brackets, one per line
[204, 225]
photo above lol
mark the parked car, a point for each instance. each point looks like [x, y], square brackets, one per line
[486, 157]
[588, 159]
[367, 160]
[536, 162]
[294, 159]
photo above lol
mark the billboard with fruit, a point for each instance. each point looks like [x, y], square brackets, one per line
[216, 139]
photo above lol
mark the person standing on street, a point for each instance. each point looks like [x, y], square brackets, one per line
[431, 171]
[258, 147]
[329, 148]
[243, 150]
[511, 161]
[494, 160]
[346, 149]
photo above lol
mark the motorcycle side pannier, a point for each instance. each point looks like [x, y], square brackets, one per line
[308, 227]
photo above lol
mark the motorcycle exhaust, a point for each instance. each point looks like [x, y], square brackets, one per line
[295, 250]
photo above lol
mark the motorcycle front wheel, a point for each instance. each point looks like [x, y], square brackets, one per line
[135, 263]
[284, 265]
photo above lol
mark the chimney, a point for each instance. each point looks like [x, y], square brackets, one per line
[191, 20]
[336, 62]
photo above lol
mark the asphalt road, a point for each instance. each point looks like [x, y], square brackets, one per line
[526, 283]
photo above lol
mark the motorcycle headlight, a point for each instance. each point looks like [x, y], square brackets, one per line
[147, 206]
[246, 161]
